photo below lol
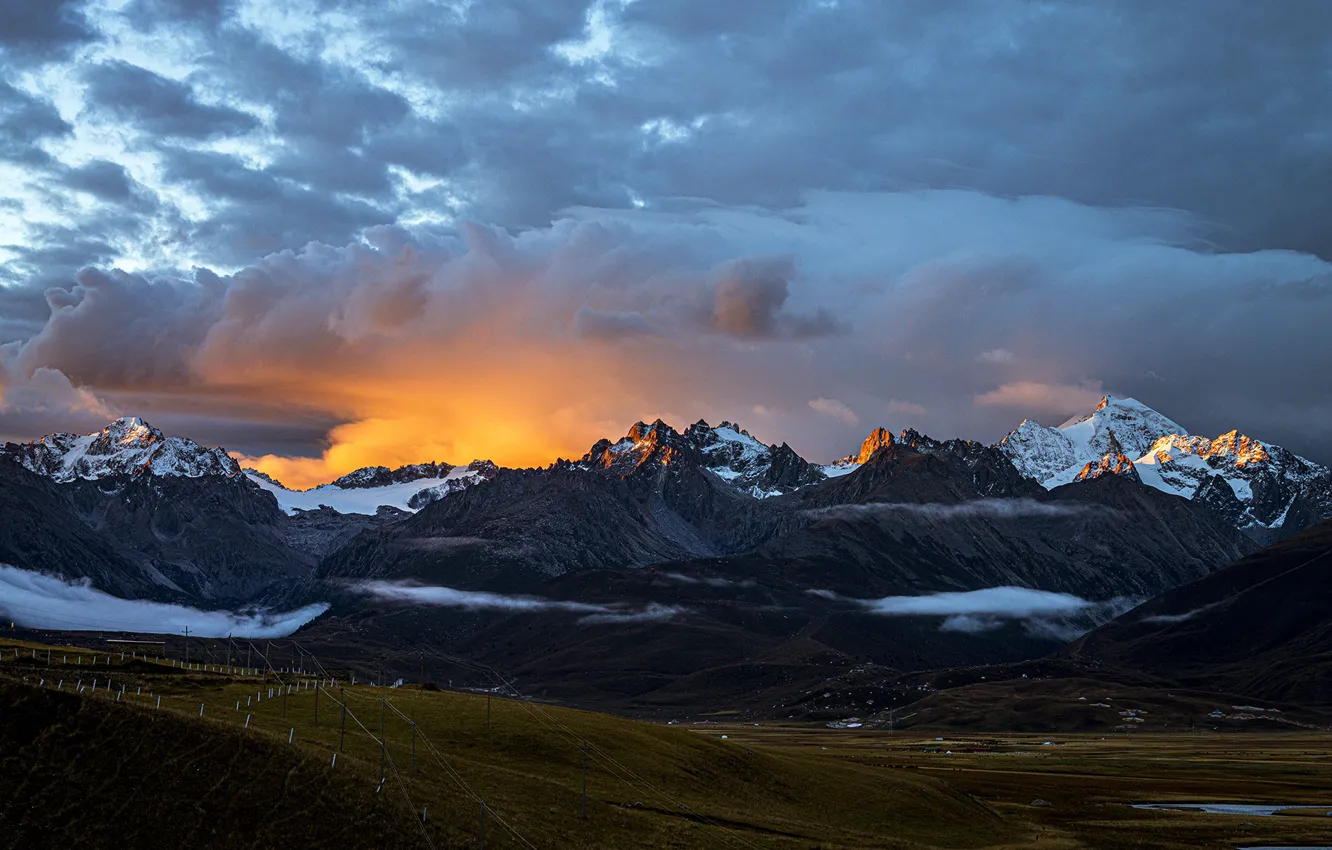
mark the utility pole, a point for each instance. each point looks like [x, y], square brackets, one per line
[383, 742]
[487, 710]
[316, 722]
[248, 647]
[187, 646]
[342, 736]
[585, 780]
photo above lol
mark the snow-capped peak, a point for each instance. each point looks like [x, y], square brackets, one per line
[1055, 456]
[131, 430]
[1133, 423]
[126, 446]
[1123, 436]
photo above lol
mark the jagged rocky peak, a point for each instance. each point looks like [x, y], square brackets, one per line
[1114, 462]
[657, 432]
[918, 441]
[877, 439]
[728, 444]
[1039, 452]
[455, 480]
[381, 476]
[732, 453]
[642, 443]
[728, 451]
[371, 489]
[926, 444]
[126, 446]
[130, 431]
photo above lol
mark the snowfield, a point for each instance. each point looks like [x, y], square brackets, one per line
[361, 500]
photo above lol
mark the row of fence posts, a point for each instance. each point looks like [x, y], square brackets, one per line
[342, 731]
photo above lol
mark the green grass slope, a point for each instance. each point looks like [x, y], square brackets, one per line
[93, 771]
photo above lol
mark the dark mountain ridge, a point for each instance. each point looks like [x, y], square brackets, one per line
[1261, 626]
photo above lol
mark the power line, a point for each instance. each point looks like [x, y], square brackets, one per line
[402, 785]
[610, 762]
[384, 749]
[448, 768]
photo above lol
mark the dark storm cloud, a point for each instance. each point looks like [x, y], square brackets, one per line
[487, 48]
[88, 336]
[256, 211]
[426, 147]
[46, 29]
[107, 180]
[127, 218]
[149, 14]
[159, 105]
[335, 169]
[23, 311]
[313, 99]
[24, 122]
[53, 253]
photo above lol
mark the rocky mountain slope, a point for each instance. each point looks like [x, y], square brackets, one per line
[143, 515]
[706, 590]
[202, 538]
[653, 496]
[1261, 626]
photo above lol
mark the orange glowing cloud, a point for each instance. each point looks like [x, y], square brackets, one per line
[808, 325]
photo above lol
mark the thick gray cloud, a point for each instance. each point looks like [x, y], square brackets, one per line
[161, 106]
[106, 180]
[42, 30]
[956, 213]
[614, 315]
[24, 122]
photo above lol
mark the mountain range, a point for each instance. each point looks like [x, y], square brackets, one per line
[1260, 488]
[675, 561]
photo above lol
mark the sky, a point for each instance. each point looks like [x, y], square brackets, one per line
[337, 234]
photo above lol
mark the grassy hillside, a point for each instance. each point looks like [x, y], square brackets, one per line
[98, 770]
[78, 772]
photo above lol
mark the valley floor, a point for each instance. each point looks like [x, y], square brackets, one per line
[109, 767]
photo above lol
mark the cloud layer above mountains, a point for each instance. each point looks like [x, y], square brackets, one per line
[334, 236]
